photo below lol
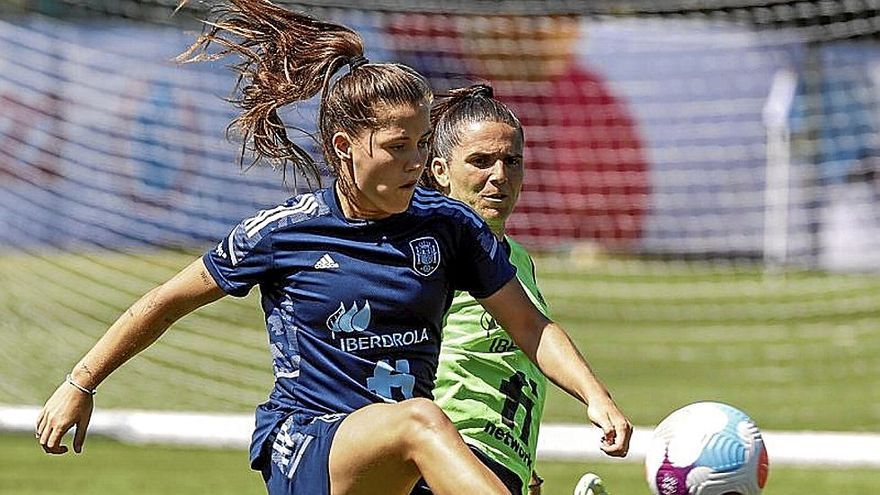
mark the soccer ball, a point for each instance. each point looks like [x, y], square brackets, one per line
[707, 448]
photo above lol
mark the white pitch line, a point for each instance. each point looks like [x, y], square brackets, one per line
[558, 442]
[785, 448]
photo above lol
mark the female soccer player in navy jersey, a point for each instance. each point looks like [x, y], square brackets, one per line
[354, 279]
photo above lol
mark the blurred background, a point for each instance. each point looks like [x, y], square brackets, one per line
[702, 196]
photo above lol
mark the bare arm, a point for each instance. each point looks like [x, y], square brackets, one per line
[549, 346]
[141, 325]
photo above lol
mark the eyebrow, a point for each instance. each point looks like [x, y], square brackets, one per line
[402, 136]
[490, 153]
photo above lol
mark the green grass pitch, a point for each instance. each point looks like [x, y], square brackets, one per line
[109, 467]
[797, 351]
[660, 335]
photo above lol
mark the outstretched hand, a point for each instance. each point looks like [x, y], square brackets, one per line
[68, 407]
[616, 428]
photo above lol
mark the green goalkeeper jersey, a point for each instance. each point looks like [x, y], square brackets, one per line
[486, 385]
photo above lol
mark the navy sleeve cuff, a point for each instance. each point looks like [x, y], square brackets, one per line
[493, 289]
[221, 281]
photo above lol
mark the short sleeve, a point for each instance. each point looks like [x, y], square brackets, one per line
[482, 262]
[240, 261]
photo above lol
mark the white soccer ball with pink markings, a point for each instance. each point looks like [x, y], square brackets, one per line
[706, 448]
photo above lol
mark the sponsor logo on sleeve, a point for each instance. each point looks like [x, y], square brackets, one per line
[220, 252]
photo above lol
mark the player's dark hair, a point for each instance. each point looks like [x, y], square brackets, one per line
[454, 110]
[288, 57]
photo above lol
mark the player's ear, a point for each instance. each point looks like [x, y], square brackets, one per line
[342, 146]
[440, 170]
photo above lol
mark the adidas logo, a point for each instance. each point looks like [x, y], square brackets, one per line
[326, 262]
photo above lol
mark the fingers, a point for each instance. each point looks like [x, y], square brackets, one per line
[80, 438]
[50, 430]
[43, 439]
[616, 428]
[41, 423]
[66, 408]
[50, 439]
[615, 441]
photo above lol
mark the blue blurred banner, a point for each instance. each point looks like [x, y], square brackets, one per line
[642, 136]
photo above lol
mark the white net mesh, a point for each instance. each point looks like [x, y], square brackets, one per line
[707, 180]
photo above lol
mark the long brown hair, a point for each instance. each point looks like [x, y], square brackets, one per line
[456, 108]
[288, 57]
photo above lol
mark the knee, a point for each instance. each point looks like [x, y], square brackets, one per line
[426, 433]
[425, 420]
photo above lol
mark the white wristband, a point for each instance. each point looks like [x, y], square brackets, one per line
[69, 379]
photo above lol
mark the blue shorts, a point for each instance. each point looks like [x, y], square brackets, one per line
[508, 477]
[299, 460]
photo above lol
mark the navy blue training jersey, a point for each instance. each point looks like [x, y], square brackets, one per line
[353, 307]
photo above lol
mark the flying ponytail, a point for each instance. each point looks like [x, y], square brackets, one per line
[288, 57]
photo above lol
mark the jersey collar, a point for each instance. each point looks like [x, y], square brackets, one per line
[331, 198]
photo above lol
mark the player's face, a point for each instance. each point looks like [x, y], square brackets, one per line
[486, 171]
[387, 162]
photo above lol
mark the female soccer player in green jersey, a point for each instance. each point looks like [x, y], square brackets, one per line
[488, 387]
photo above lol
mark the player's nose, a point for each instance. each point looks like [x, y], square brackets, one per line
[498, 172]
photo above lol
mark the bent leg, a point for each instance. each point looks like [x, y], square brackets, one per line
[385, 448]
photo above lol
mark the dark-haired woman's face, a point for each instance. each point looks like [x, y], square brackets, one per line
[387, 162]
[485, 170]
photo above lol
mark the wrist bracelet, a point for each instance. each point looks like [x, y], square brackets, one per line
[69, 379]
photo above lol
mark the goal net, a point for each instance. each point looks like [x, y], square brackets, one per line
[701, 192]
